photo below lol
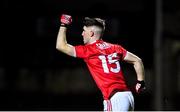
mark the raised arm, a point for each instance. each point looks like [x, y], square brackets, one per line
[61, 43]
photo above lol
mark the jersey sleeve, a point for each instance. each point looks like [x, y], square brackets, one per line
[81, 51]
[122, 51]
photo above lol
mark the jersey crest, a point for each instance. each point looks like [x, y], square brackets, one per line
[103, 45]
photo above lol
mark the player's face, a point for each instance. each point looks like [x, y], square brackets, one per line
[86, 35]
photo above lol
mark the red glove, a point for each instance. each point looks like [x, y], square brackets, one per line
[66, 19]
[140, 86]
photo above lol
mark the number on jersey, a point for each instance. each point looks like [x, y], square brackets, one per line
[109, 59]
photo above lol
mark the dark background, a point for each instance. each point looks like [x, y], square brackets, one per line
[35, 76]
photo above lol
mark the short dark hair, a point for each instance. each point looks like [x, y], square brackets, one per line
[94, 22]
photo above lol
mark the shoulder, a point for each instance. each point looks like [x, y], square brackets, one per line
[115, 45]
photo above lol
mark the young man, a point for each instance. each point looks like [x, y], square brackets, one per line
[103, 61]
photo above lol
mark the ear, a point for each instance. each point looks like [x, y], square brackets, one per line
[91, 33]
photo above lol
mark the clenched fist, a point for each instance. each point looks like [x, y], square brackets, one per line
[65, 19]
[140, 86]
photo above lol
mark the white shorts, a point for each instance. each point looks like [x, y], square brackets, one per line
[120, 101]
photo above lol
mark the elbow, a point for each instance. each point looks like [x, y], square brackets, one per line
[58, 47]
[62, 48]
[139, 60]
[138, 64]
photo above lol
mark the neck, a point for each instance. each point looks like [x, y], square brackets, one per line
[93, 40]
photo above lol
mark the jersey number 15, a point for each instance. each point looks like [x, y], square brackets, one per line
[108, 60]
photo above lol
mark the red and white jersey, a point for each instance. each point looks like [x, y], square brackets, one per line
[103, 60]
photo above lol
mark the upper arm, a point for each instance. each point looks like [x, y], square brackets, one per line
[131, 58]
[68, 49]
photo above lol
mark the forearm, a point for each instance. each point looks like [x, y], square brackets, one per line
[139, 68]
[61, 42]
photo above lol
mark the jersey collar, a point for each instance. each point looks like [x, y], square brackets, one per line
[96, 41]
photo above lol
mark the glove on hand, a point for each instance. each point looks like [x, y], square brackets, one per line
[140, 86]
[66, 19]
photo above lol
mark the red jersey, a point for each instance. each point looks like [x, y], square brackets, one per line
[103, 61]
